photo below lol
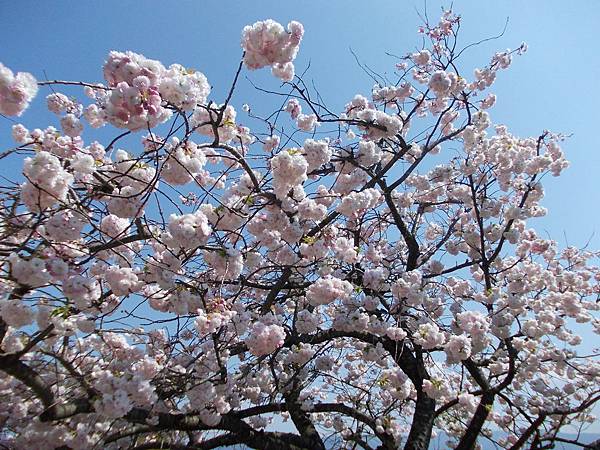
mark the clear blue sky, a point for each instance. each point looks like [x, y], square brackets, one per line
[553, 86]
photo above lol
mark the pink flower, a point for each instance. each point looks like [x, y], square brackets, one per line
[326, 290]
[440, 83]
[47, 182]
[265, 339]
[189, 230]
[266, 43]
[16, 91]
[289, 170]
[294, 108]
[307, 122]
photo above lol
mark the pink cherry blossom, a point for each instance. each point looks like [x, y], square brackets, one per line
[266, 43]
[16, 91]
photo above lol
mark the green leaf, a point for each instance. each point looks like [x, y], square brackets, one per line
[61, 311]
[310, 240]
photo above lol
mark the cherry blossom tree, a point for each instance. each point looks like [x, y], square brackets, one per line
[365, 278]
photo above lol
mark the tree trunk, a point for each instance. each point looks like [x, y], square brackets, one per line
[422, 423]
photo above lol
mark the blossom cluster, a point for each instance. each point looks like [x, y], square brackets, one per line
[265, 339]
[266, 43]
[47, 182]
[16, 91]
[140, 88]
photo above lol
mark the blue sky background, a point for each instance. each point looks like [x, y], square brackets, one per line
[553, 86]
